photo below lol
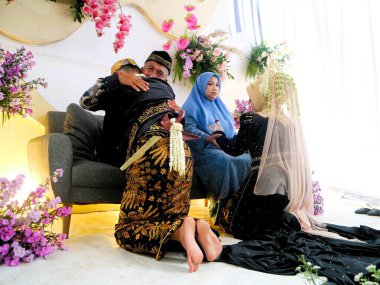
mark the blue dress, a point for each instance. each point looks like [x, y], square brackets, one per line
[220, 173]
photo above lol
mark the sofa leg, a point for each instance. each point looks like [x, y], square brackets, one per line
[66, 221]
[206, 202]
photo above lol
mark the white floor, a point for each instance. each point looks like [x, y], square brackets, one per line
[94, 258]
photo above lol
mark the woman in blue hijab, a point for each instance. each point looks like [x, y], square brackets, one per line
[220, 173]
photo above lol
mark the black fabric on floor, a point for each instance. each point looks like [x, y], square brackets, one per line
[277, 252]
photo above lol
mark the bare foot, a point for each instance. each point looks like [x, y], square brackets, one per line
[208, 240]
[185, 234]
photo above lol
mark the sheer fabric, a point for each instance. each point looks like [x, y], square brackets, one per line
[284, 149]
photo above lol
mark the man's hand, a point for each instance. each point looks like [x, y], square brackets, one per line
[165, 122]
[212, 139]
[173, 105]
[135, 82]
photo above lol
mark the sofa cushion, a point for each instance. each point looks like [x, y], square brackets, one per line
[83, 129]
[93, 174]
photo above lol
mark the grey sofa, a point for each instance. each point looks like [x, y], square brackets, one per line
[69, 144]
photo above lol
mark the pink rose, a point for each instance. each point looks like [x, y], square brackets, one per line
[216, 52]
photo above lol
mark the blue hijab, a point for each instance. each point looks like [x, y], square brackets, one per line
[204, 111]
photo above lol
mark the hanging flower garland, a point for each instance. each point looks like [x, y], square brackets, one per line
[102, 12]
[177, 152]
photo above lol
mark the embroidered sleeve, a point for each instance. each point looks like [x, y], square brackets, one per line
[239, 143]
[90, 100]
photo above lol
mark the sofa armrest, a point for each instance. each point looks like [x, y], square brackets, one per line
[47, 153]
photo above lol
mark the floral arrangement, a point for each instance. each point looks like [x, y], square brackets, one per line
[242, 106]
[24, 227]
[204, 53]
[15, 97]
[198, 53]
[259, 55]
[310, 272]
[317, 197]
[363, 280]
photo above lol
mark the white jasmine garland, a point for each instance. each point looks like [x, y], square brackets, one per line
[177, 152]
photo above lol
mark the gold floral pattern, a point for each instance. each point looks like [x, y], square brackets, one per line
[155, 200]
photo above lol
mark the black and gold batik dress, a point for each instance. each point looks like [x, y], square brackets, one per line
[155, 200]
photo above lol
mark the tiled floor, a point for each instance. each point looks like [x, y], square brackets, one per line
[94, 258]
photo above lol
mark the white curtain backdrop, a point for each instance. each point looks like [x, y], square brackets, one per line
[336, 64]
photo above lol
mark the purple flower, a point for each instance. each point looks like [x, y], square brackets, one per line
[18, 251]
[29, 258]
[317, 198]
[6, 233]
[4, 249]
[12, 261]
[18, 241]
[63, 211]
[14, 69]
[34, 215]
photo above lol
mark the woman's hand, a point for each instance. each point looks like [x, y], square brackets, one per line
[212, 139]
[131, 80]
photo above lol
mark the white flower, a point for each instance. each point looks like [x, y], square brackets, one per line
[177, 152]
[358, 276]
[371, 267]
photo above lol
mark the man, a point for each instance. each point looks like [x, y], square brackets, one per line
[112, 95]
[157, 65]
[156, 200]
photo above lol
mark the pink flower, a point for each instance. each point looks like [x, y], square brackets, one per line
[223, 66]
[28, 111]
[168, 45]
[199, 58]
[193, 27]
[189, 8]
[102, 12]
[167, 25]
[125, 28]
[182, 42]
[216, 52]
[191, 20]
